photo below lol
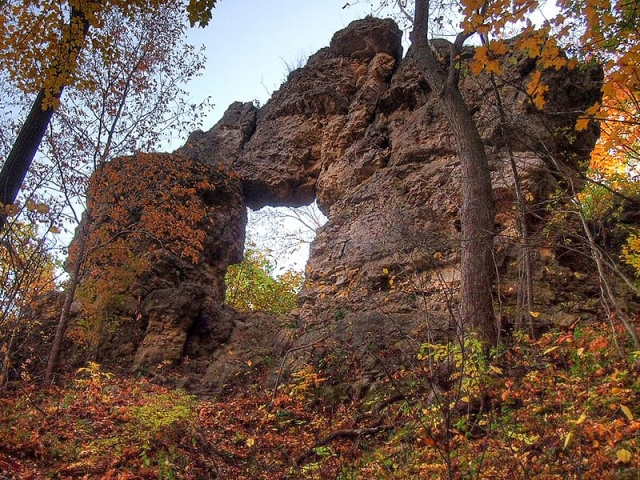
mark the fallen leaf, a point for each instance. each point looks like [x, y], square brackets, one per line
[627, 412]
[624, 455]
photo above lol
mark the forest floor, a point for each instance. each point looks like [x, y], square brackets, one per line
[564, 406]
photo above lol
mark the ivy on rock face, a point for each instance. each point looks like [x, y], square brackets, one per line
[162, 216]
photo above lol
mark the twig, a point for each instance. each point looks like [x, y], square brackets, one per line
[291, 350]
[343, 434]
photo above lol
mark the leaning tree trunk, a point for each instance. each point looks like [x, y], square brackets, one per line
[65, 314]
[35, 126]
[24, 149]
[477, 213]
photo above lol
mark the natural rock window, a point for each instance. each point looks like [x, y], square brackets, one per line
[286, 232]
[359, 130]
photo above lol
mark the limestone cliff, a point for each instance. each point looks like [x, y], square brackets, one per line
[359, 130]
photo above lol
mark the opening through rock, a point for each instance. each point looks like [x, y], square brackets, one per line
[284, 233]
[276, 253]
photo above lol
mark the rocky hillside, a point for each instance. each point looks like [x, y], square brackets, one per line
[358, 130]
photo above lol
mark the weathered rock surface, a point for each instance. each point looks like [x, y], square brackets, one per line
[147, 290]
[359, 130]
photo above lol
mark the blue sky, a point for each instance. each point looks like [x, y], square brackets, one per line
[249, 41]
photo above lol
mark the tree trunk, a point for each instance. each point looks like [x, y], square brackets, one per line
[476, 219]
[63, 323]
[477, 213]
[35, 126]
[24, 149]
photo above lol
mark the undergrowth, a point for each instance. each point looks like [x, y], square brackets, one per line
[564, 406]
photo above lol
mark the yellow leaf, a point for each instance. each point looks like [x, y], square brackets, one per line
[595, 108]
[476, 67]
[499, 47]
[582, 124]
[609, 89]
[249, 363]
[493, 66]
[549, 350]
[627, 412]
[608, 19]
[582, 418]
[466, 399]
[531, 46]
[11, 210]
[624, 455]
[534, 314]
[534, 83]
[567, 439]
[385, 271]
[42, 208]
[251, 441]
[497, 370]
[539, 101]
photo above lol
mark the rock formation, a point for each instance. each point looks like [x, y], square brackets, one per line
[359, 130]
[160, 235]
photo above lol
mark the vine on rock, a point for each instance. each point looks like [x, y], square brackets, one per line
[147, 210]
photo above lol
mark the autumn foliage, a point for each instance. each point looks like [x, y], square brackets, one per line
[559, 407]
[27, 272]
[615, 167]
[148, 210]
[158, 201]
[40, 45]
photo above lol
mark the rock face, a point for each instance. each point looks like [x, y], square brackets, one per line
[160, 235]
[359, 130]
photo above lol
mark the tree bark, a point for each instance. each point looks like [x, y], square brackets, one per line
[63, 322]
[23, 151]
[478, 211]
[35, 126]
